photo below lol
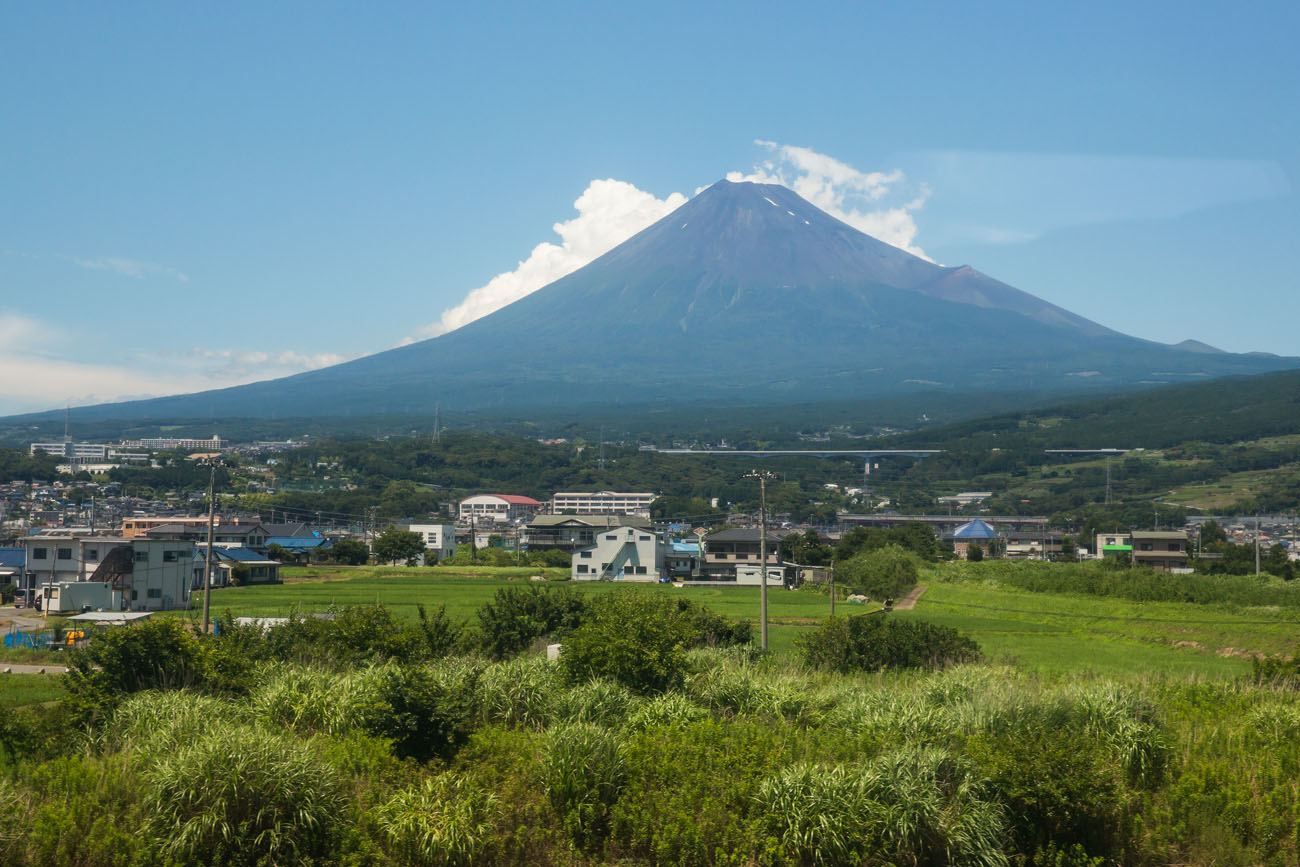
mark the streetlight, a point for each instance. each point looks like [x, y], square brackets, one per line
[762, 476]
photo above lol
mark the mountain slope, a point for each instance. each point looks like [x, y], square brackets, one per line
[747, 291]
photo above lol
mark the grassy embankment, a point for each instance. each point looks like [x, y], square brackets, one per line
[1046, 632]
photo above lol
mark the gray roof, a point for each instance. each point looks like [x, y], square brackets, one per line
[1159, 534]
[603, 521]
[746, 534]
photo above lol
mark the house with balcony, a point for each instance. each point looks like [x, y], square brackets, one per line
[727, 550]
[621, 554]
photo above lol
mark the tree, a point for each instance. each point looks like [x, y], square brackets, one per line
[352, 552]
[806, 549]
[1212, 534]
[156, 654]
[974, 553]
[884, 573]
[395, 544]
[871, 642]
[518, 616]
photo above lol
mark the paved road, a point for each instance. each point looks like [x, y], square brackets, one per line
[25, 668]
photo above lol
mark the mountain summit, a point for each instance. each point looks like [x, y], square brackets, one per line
[747, 293]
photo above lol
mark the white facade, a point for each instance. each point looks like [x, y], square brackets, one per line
[439, 540]
[157, 573]
[70, 449]
[498, 508]
[166, 443]
[621, 554]
[602, 503]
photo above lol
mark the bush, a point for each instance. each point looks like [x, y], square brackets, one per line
[583, 773]
[518, 616]
[425, 712]
[883, 573]
[598, 701]
[153, 655]
[636, 639]
[444, 822]
[155, 724]
[309, 700]
[872, 642]
[243, 796]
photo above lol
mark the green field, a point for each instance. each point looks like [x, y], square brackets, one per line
[1042, 632]
[18, 690]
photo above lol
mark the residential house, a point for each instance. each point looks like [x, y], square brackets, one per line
[251, 535]
[970, 534]
[73, 573]
[439, 540]
[239, 566]
[13, 570]
[1164, 550]
[726, 550]
[621, 554]
[572, 532]
[1113, 545]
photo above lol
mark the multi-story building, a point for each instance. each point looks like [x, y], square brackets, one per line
[75, 573]
[167, 443]
[602, 503]
[621, 554]
[498, 508]
[251, 535]
[727, 550]
[439, 540]
[1113, 545]
[72, 450]
[133, 527]
[1165, 550]
[571, 532]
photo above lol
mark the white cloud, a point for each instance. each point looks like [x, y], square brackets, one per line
[609, 212]
[33, 378]
[858, 198]
[134, 268]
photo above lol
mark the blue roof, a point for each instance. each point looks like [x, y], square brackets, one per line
[13, 557]
[976, 529]
[684, 547]
[291, 542]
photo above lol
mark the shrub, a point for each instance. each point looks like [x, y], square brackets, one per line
[636, 639]
[424, 711]
[583, 773]
[518, 616]
[872, 642]
[445, 821]
[154, 655]
[243, 796]
[82, 810]
[669, 709]
[746, 690]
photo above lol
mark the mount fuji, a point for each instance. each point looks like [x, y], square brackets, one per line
[746, 293]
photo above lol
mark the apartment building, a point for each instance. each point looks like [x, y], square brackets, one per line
[75, 573]
[602, 503]
[621, 554]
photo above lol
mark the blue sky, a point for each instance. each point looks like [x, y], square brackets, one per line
[200, 195]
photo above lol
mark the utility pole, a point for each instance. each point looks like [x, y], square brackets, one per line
[1257, 544]
[762, 476]
[832, 588]
[473, 540]
[207, 557]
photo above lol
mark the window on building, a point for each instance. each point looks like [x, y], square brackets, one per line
[142, 556]
[645, 538]
[154, 593]
[170, 556]
[92, 554]
[586, 555]
[65, 553]
[613, 538]
[582, 568]
[1175, 546]
[40, 553]
[1145, 546]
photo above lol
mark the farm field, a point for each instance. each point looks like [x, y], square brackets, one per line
[1037, 632]
[20, 690]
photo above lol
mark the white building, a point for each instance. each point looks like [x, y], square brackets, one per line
[73, 450]
[498, 508]
[167, 443]
[621, 554]
[602, 503]
[71, 573]
[439, 540]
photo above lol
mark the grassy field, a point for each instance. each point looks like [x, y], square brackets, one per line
[1049, 633]
[17, 690]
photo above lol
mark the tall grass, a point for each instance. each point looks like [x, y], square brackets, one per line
[243, 796]
[520, 692]
[584, 772]
[155, 724]
[445, 822]
[309, 700]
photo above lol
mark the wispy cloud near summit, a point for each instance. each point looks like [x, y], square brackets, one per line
[611, 211]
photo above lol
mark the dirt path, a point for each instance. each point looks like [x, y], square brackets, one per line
[30, 668]
[908, 602]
